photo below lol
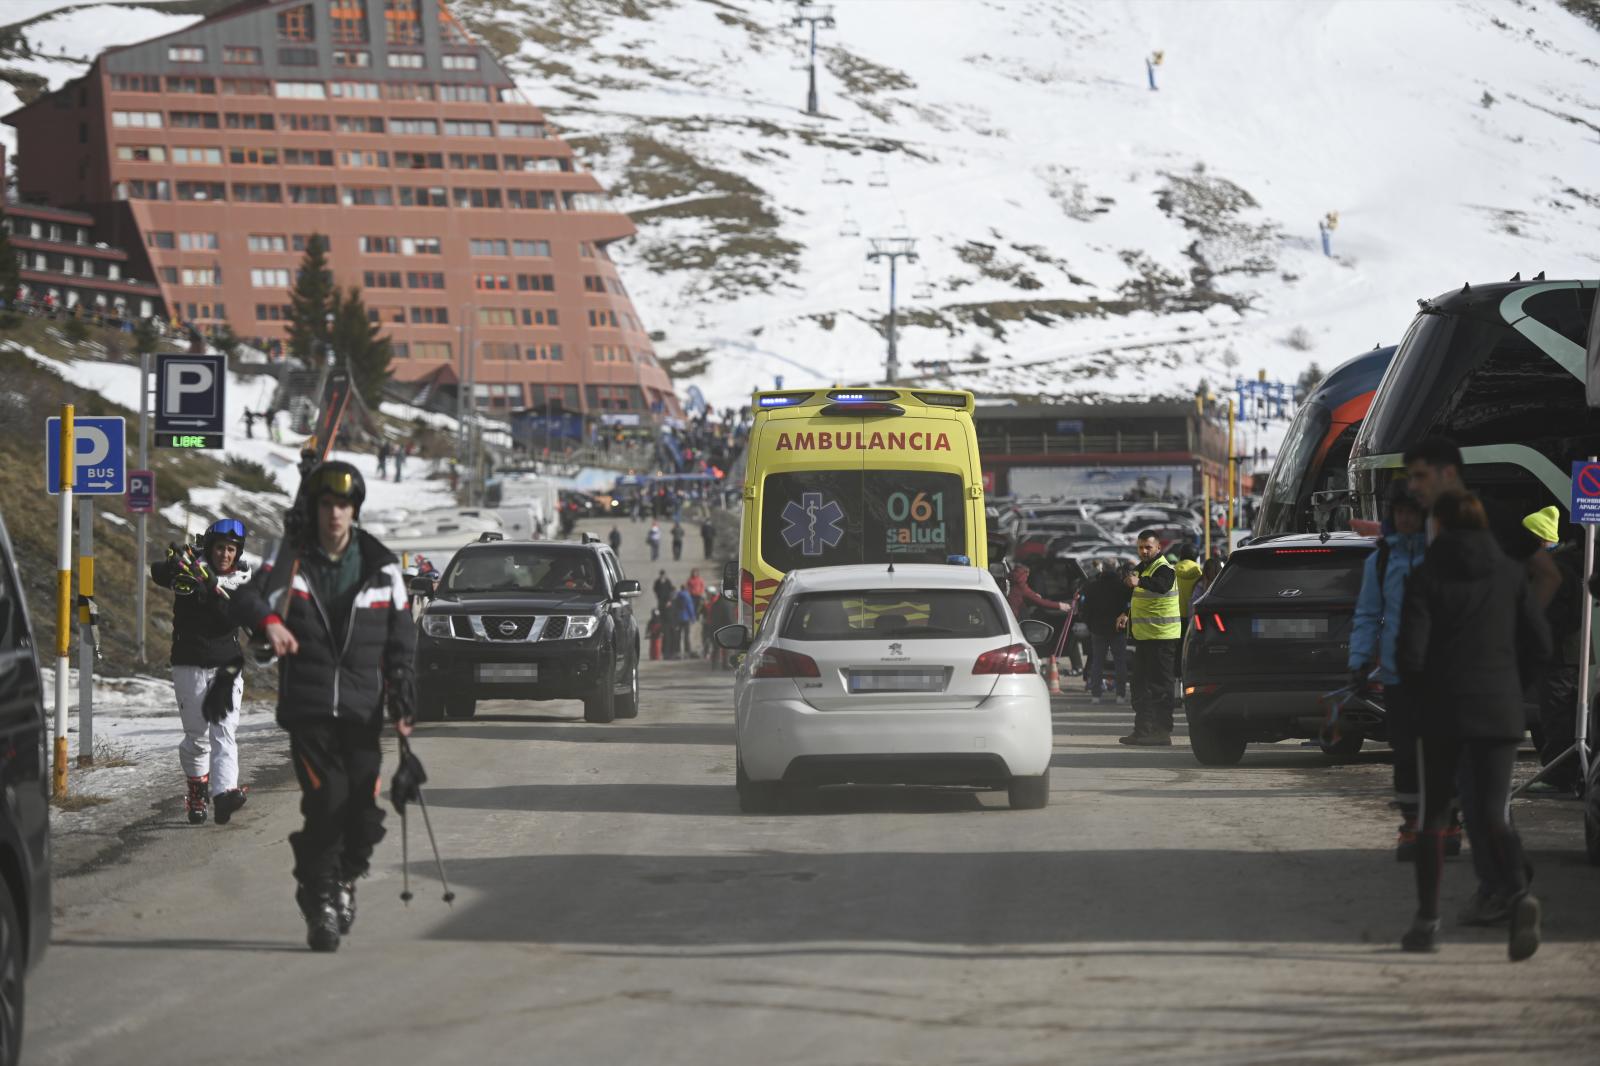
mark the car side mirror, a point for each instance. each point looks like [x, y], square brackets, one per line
[421, 586]
[1035, 631]
[730, 580]
[629, 586]
[999, 572]
[734, 638]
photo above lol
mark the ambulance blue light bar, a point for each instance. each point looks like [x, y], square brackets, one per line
[863, 395]
[782, 399]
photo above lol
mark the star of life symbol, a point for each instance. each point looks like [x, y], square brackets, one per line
[813, 524]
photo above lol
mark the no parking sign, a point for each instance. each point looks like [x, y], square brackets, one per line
[1586, 492]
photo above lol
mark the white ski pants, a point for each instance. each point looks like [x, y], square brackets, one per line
[207, 747]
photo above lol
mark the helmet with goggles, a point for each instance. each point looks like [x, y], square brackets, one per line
[338, 479]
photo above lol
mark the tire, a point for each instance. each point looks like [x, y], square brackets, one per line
[600, 706]
[461, 707]
[429, 707]
[1029, 793]
[1347, 748]
[1213, 746]
[757, 797]
[13, 979]
[628, 706]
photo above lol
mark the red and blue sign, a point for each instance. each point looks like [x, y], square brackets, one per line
[1586, 493]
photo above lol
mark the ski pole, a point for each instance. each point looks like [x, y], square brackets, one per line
[449, 896]
[405, 862]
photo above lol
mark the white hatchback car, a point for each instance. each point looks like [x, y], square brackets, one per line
[917, 674]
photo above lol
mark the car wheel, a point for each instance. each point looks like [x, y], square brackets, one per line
[430, 708]
[1029, 793]
[1214, 746]
[628, 706]
[757, 797]
[13, 977]
[600, 706]
[461, 707]
[1348, 746]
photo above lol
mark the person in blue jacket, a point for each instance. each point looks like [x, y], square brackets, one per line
[1373, 638]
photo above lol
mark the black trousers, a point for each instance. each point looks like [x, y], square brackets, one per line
[1154, 664]
[1403, 742]
[336, 761]
[1486, 805]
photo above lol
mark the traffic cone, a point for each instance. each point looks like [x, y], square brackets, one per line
[1054, 677]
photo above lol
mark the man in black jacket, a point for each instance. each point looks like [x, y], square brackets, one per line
[206, 662]
[346, 640]
[1106, 598]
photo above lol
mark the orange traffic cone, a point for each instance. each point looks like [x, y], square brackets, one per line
[1054, 677]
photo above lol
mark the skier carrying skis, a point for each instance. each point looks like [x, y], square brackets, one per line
[207, 674]
[346, 637]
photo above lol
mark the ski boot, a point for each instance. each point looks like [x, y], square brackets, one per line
[344, 901]
[227, 803]
[195, 801]
[321, 915]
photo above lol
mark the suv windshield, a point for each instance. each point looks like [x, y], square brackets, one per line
[893, 614]
[522, 570]
[1312, 574]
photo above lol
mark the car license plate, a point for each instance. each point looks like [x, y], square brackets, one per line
[897, 680]
[508, 672]
[1289, 628]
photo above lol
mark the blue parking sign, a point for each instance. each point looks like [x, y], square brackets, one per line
[101, 459]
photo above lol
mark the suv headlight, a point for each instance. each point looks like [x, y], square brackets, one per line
[580, 626]
[436, 625]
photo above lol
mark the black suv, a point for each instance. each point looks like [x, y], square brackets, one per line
[529, 620]
[25, 816]
[1268, 639]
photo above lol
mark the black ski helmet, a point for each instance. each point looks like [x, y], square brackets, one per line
[335, 478]
[225, 530]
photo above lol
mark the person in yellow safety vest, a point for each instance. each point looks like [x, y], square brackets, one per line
[1186, 565]
[1156, 627]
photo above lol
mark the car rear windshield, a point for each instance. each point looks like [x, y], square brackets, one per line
[834, 517]
[894, 614]
[522, 570]
[1292, 574]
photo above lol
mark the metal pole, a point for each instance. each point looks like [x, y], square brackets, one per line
[811, 92]
[139, 577]
[1232, 471]
[69, 468]
[894, 366]
[1581, 723]
[86, 631]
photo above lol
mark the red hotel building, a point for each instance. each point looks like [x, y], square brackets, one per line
[215, 151]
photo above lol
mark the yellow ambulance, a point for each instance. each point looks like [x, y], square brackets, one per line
[872, 475]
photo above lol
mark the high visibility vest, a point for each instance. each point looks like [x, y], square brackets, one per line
[1154, 615]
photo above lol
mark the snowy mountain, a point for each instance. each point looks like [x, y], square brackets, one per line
[1079, 234]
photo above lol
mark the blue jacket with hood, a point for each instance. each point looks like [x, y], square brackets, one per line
[1376, 628]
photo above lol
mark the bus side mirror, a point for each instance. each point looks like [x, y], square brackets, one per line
[730, 580]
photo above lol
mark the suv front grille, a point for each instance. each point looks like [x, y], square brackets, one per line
[507, 627]
[554, 628]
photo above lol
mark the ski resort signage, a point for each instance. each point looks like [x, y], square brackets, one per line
[191, 406]
[1586, 493]
[100, 447]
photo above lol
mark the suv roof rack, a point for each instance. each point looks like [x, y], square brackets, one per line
[488, 536]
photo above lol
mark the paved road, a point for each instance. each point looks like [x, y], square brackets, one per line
[615, 907]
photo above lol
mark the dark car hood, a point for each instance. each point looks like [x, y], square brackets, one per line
[517, 603]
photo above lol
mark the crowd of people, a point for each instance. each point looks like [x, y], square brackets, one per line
[680, 610]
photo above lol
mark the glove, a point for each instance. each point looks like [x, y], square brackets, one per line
[218, 701]
[409, 777]
[400, 695]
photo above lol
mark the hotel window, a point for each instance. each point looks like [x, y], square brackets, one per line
[183, 83]
[403, 21]
[487, 246]
[547, 163]
[614, 397]
[201, 190]
[522, 129]
[499, 351]
[377, 245]
[249, 120]
[368, 196]
[348, 22]
[381, 279]
[296, 24]
[537, 316]
[266, 157]
[205, 156]
[464, 94]
[306, 123]
[414, 125]
[360, 124]
[358, 160]
[353, 90]
[299, 90]
[532, 199]
[308, 157]
[430, 350]
[193, 120]
[602, 318]
[416, 196]
[167, 274]
[420, 246]
[407, 60]
[141, 153]
[407, 90]
[298, 242]
[536, 283]
[584, 201]
[204, 277]
[186, 53]
[432, 280]
[594, 283]
[297, 57]
[467, 129]
[419, 161]
[586, 250]
[477, 198]
[490, 282]
[241, 54]
[206, 311]
[550, 353]
[386, 314]
[531, 248]
[313, 194]
[135, 83]
[459, 62]
[253, 193]
[161, 239]
[197, 242]
[267, 242]
[351, 58]
[274, 312]
[246, 87]
[474, 161]
[270, 279]
[430, 316]
[137, 120]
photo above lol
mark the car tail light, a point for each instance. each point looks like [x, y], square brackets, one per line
[747, 587]
[1013, 659]
[781, 662]
[1203, 690]
[1217, 618]
[1199, 624]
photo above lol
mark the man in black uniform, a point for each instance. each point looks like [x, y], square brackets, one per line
[346, 641]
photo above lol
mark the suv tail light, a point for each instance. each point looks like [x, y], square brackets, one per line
[1009, 660]
[781, 662]
[747, 587]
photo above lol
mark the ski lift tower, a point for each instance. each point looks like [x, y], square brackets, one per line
[816, 16]
[893, 249]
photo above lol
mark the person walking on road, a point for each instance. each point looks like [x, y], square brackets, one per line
[653, 538]
[677, 541]
[1105, 599]
[1153, 621]
[383, 458]
[347, 642]
[1558, 681]
[207, 675]
[1373, 637]
[1470, 630]
[696, 585]
[708, 538]
[685, 609]
[615, 538]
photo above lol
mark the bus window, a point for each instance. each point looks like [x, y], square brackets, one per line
[837, 517]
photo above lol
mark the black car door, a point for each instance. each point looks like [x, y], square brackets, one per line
[23, 779]
[627, 627]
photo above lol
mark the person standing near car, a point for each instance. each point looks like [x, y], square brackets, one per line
[653, 538]
[615, 538]
[346, 643]
[1471, 627]
[1558, 681]
[677, 541]
[1374, 634]
[1105, 600]
[1153, 621]
[206, 670]
[685, 609]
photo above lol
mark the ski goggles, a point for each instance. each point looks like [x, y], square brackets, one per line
[227, 527]
[334, 482]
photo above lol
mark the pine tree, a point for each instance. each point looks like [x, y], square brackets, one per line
[358, 347]
[310, 302]
[10, 275]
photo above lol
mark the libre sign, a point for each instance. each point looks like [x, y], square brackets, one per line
[191, 407]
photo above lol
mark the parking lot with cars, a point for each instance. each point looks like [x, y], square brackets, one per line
[614, 905]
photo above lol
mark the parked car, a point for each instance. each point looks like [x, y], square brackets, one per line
[1268, 639]
[529, 620]
[25, 816]
[914, 674]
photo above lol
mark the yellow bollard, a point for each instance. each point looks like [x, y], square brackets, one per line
[69, 466]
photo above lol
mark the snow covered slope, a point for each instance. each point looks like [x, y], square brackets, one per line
[1080, 235]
